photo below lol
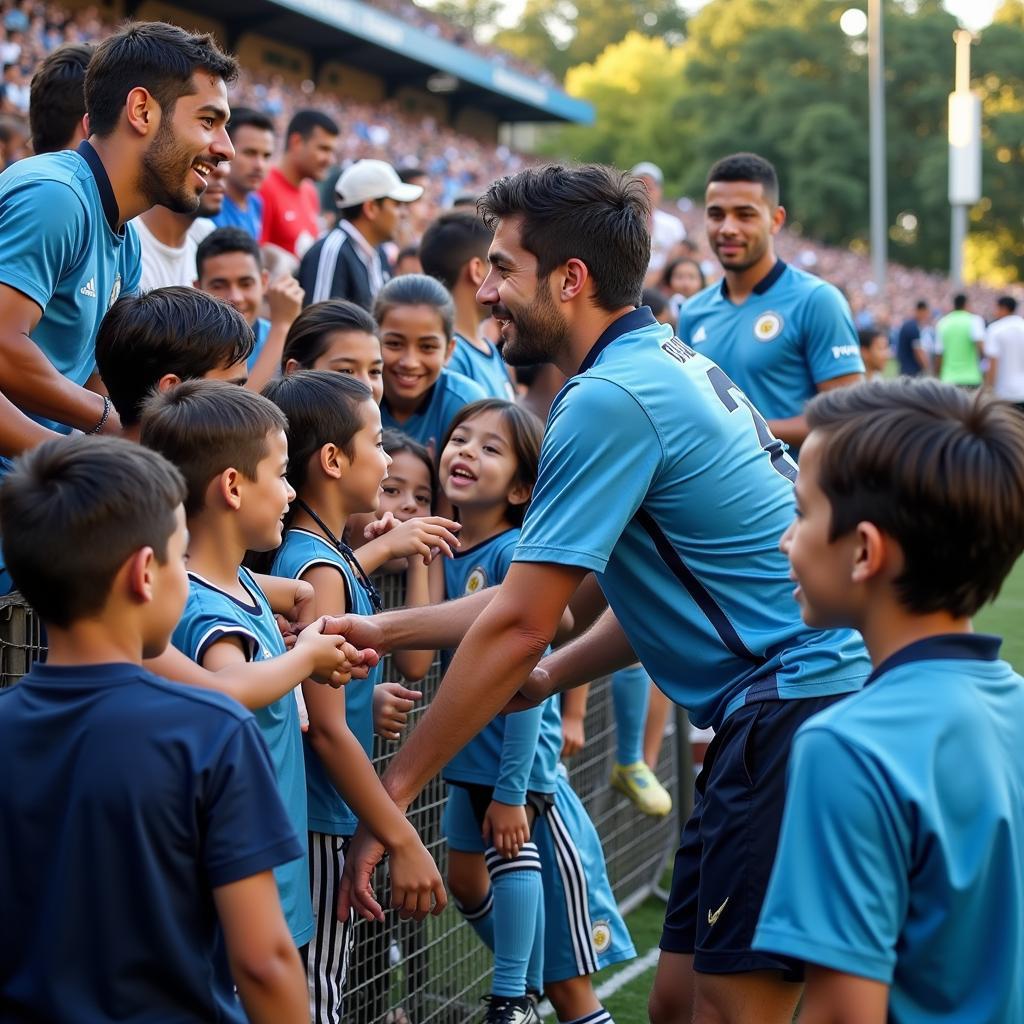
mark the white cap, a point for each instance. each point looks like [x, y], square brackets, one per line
[373, 179]
[648, 170]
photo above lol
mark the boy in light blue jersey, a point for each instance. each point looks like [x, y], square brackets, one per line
[658, 475]
[230, 446]
[898, 878]
[780, 333]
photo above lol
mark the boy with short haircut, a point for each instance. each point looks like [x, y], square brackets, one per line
[454, 250]
[230, 446]
[230, 267]
[151, 342]
[141, 817]
[898, 875]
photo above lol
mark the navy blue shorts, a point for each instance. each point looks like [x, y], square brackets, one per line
[727, 847]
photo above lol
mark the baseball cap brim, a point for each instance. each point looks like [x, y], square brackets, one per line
[405, 193]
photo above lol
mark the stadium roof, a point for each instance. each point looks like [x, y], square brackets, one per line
[382, 44]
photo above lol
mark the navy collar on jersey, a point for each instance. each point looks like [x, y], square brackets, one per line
[764, 284]
[946, 647]
[631, 321]
[99, 172]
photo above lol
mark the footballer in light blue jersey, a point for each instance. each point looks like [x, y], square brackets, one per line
[679, 511]
[212, 615]
[488, 369]
[61, 246]
[300, 551]
[793, 333]
[428, 425]
[902, 843]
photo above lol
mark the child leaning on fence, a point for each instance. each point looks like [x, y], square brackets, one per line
[141, 817]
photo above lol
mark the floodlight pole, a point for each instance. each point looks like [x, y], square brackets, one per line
[964, 154]
[876, 132]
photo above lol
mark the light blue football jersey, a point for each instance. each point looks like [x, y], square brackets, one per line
[260, 330]
[657, 473]
[210, 615]
[512, 753]
[299, 552]
[60, 246]
[901, 857]
[488, 369]
[429, 423]
[794, 332]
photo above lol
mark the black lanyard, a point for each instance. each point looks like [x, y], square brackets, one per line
[350, 558]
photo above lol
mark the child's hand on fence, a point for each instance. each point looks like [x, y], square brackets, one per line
[574, 735]
[416, 885]
[392, 703]
[356, 894]
[506, 828]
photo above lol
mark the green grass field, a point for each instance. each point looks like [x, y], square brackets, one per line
[629, 1004]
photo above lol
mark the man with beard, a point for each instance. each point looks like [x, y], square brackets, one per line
[660, 477]
[781, 334]
[157, 105]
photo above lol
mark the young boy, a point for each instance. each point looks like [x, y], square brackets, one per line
[231, 449]
[454, 250]
[141, 817]
[875, 351]
[898, 876]
[229, 266]
[151, 342]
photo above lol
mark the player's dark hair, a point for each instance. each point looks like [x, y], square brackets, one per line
[747, 167]
[305, 122]
[180, 331]
[960, 301]
[670, 269]
[525, 432]
[591, 213]
[152, 55]
[1007, 302]
[221, 241]
[397, 443]
[308, 335]
[207, 426]
[102, 498]
[247, 117]
[416, 290]
[937, 468]
[450, 243]
[57, 97]
[321, 408]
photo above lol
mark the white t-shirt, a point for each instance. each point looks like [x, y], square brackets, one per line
[166, 265]
[667, 232]
[1004, 341]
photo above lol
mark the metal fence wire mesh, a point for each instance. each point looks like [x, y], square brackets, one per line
[436, 971]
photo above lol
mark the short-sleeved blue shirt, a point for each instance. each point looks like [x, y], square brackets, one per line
[127, 800]
[429, 423]
[794, 332]
[901, 857]
[300, 551]
[659, 475]
[212, 615]
[249, 219]
[60, 245]
[488, 369]
[513, 753]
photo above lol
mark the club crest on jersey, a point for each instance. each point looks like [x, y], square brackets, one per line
[601, 934]
[767, 326]
[115, 291]
[477, 580]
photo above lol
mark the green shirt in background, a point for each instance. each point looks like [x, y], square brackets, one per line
[957, 335]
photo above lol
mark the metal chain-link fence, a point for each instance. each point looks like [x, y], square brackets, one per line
[436, 971]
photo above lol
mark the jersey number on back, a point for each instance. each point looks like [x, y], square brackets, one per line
[730, 396]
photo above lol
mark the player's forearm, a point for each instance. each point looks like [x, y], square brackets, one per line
[793, 430]
[17, 432]
[276, 991]
[602, 650]
[489, 667]
[435, 627]
[375, 553]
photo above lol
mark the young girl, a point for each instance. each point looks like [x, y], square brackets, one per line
[505, 782]
[336, 335]
[336, 467]
[415, 316]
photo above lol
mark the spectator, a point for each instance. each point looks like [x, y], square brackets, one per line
[959, 337]
[911, 354]
[681, 279]
[1004, 347]
[421, 212]
[349, 263]
[13, 140]
[16, 91]
[291, 207]
[56, 110]
[874, 351]
[252, 135]
[667, 230]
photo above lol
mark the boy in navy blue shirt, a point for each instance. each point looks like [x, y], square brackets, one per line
[898, 876]
[140, 817]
